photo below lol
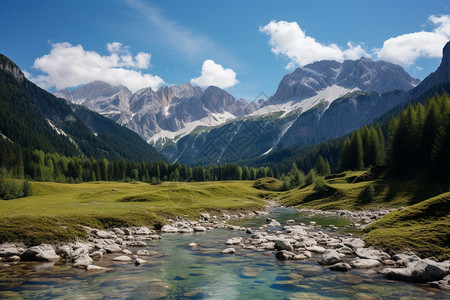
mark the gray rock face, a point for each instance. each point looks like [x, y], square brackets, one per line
[364, 74]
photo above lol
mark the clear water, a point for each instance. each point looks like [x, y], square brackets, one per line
[176, 271]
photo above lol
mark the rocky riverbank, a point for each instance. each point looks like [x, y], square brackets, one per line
[338, 252]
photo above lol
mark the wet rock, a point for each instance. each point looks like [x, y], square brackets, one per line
[137, 244]
[419, 271]
[123, 258]
[283, 245]
[83, 261]
[112, 249]
[354, 243]
[290, 221]
[93, 268]
[345, 250]
[139, 261]
[142, 252]
[8, 249]
[104, 234]
[199, 229]
[186, 230]
[362, 296]
[311, 271]
[118, 231]
[330, 257]
[361, 263]
[192, 244]
[370, 253]
[169, 229]
[404, 259]
[143, 231]
[229, 251]
[127, 252]
[284, 255]
[96, 255]
[316, 249]
[42, 252]
[287, 282]
[12, 258]
[342, 267]
[443, 284]
[234, 241]
[307, 295]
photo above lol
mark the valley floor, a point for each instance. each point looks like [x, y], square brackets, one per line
[55, 211]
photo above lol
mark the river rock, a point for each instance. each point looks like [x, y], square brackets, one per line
[143, 231]
[370, 253]
[199, 229]
[112, 249]
[443, 284]
[122, 258]
[8, 249]
[139, 261]
[12, 258]
[330, 257]
[283, 245]
[104, 234]
[118, 231]
[93, 268]
[192, 244]
[137, 244]
[234, 241]
[354, 243]
[317, 249]
[284, 255]
[342, 267]
[142, 252]
[127, 252]
[42, 252]
[82, 261]
[345, 250]
[404, 259]
[419, 271]
[290, 221]
[96, 255]
[169, 229]
[250, 272]
[361, 263]
[229, 251]
[205, 216]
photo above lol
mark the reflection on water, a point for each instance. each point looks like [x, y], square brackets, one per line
[181, 272]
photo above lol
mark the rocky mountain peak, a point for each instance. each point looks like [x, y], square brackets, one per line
[9, 66]
[363, 74]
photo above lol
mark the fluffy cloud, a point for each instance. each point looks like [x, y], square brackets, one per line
[407, 48]
[288, 39]
[69, 66]
[215, 74]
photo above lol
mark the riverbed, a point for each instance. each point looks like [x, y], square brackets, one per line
[176, 271]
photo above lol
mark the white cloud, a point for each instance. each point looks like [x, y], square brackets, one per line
[288, 39]
[407, 48]
[215, 74]
[69, 66]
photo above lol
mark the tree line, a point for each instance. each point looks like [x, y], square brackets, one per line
[16, 162]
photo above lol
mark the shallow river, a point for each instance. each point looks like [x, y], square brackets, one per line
[177, 271]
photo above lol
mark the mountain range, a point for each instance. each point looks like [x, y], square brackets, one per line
[314, 103]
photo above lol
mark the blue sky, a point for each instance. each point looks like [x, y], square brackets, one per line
[229, 43]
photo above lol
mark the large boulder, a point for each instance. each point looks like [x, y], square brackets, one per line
[42, 252]
[283, 245]
[419, 271]
[330, 257]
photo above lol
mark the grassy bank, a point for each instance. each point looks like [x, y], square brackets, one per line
[423, 228]
[55, 210]
[363, 190]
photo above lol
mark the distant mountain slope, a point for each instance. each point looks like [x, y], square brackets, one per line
[37, 119]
